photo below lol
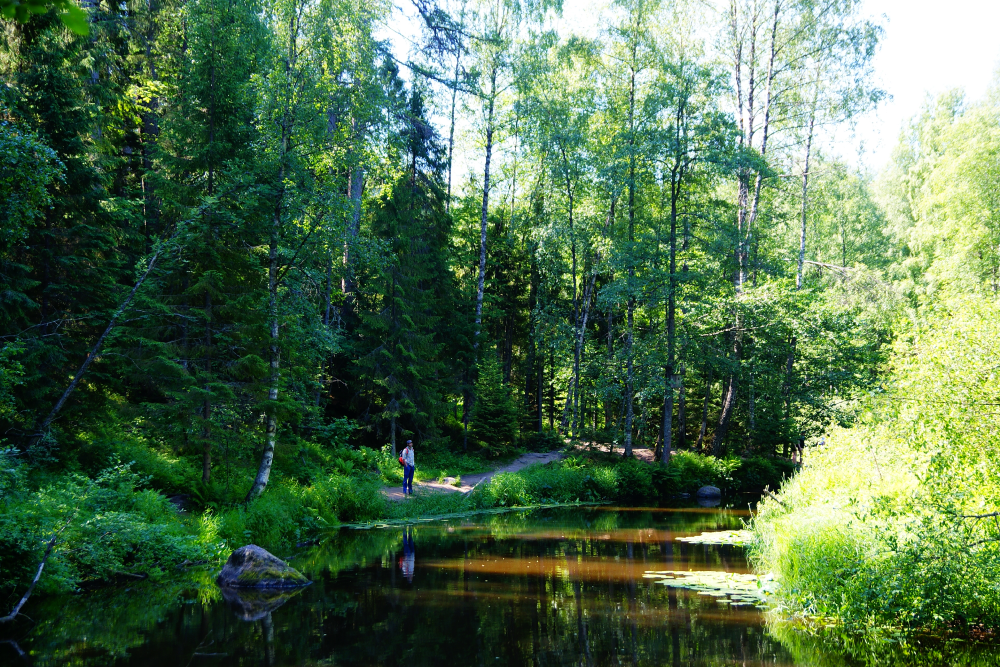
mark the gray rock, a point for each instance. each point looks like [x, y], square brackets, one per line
[253, 567]
[709, 492]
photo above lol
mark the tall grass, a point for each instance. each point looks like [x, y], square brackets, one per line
[880, 530]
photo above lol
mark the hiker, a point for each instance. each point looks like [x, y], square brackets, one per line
[407, 457]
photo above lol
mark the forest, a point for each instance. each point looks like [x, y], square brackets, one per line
[250, 247]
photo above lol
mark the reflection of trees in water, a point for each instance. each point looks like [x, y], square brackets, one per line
[582, 606]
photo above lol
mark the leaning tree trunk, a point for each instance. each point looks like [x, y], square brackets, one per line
[46, 424]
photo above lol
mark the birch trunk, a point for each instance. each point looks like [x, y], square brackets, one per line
[746, 235]
[805, 185]
[481, 282]
[274, 350]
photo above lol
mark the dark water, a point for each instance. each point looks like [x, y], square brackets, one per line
[548, 587]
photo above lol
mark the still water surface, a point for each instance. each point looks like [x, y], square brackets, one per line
[541, 588]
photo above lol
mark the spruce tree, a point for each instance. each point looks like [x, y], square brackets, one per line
[403, 331]
[495, 416]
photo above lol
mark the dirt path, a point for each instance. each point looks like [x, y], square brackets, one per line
[469, 482]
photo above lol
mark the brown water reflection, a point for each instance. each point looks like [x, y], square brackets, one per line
[533, 589]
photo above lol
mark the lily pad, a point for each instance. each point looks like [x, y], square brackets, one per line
[738, 538]
[746, 590]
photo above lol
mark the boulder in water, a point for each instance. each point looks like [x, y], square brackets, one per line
[709, 492]
[253, 567]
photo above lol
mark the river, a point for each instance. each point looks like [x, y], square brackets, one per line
[562, 586]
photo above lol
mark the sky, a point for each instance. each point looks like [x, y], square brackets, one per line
[928, 47]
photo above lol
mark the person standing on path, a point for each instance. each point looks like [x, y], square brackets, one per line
[408, 468]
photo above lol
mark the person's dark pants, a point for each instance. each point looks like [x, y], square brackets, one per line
[407, 479]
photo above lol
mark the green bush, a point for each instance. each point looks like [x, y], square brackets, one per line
[878, 530]
[544, 441]
[754, 474]
[506, 489]
[112, 529]
[579, 478]
[289, 513]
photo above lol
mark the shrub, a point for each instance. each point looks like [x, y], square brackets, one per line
[112, 529]
[878, 530]
[503, 490]
[544, 441]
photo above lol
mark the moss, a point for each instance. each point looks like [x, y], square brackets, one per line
[271, 575]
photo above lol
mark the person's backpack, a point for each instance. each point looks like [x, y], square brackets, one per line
[401, 461]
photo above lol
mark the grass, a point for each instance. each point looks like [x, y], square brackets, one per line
[890, 529]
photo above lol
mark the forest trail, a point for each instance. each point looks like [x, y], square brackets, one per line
[469, 482]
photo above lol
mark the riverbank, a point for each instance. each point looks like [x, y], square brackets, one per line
[119, 525]
[891, 529]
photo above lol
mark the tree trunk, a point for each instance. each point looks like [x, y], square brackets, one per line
[451, 128]
[704, 409]
[681, 412]
[747, 211]
[38, 574]
[354, 189]
[481, 281]
[274, 350]
[805, 185]
[581, 323]
[676, 177]
[392, 434]
[206, 415]
[787, 389]
[728, 401]
[630, 307]
[271, 429]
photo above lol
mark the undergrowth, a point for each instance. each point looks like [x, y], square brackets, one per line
[152, 515]
[891, 528]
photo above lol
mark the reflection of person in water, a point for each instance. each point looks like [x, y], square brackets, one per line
[408, 557]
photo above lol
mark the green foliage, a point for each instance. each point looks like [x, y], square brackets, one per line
[495, 418]
[879, 529]
[69, 12]
[30, 169]
[113, 529]
[941, 199]
[11, 374]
